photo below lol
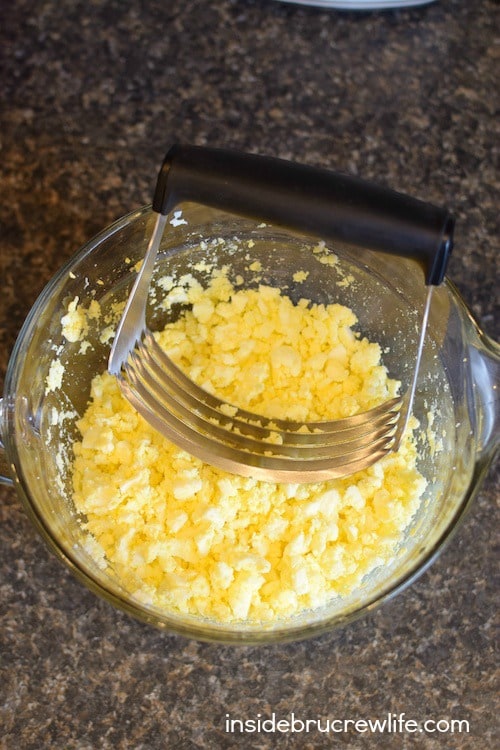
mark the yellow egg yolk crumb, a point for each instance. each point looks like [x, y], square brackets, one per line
[189, 538]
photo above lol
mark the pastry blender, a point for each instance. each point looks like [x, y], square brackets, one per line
[304, 199]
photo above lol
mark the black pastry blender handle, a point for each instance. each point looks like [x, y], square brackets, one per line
[308, 199]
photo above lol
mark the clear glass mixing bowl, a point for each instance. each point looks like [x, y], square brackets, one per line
[457, 386]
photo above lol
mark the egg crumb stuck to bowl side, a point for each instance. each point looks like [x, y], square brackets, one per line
[190, 539]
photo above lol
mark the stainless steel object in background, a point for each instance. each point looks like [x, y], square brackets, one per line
[359, 4]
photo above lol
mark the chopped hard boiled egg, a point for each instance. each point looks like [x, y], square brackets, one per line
[187, 537]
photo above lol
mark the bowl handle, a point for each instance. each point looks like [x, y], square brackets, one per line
[484, 360]
[4, 466]
[308, 199]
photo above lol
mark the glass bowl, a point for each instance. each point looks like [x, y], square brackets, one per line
[457, 386]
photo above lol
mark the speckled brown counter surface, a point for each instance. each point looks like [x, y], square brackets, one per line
[92, 94]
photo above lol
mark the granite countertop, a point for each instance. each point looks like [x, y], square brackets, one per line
[92, 95]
